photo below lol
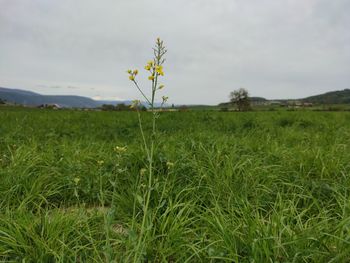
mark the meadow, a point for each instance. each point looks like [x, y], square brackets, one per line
[230, 186]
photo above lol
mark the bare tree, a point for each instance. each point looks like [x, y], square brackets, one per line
[240, 97]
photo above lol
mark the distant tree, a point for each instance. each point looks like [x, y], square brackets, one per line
[107, 107]
[240, 97]
[142, 108]
[183, 108]
[2, 101]
[139, 107]
[122, 107]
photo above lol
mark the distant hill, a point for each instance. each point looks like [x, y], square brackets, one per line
[333, 97]
[257, 99]
[30, 98]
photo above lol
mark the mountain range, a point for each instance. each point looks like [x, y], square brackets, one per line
[30, 98]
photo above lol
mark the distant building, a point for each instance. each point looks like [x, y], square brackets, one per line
[298, 104]
[307, 104]
[53, 106]
[275, 102]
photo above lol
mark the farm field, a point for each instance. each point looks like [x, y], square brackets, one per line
[230, 186]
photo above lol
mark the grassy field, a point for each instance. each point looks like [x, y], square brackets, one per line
[230, 187]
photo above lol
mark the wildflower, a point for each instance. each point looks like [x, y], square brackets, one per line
[169, 164]
[150, 63]
[159, 70]
[148, 67]
[76, 180]
[143, 171]
[135, 103]
[132, 77]
[151, 77]
[129, 71]
[120, 149]
[100, 162]
[135, 72]
[165, 99]
[119, 229]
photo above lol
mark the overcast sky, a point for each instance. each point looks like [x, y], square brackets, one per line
[273, 48]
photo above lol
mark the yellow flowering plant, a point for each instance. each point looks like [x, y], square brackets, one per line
[155, 69]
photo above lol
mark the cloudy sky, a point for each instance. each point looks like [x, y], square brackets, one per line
[273, 48]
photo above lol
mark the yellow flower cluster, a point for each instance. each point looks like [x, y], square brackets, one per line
[149, 65]
[120, 149]
[152, 67]
[132, 74]
[135, 104]
[155, 70]
[169, 164]
[143, 171]
[76, 180]
[165, 99]
[159, 70]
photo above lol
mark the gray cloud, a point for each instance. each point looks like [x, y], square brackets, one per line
[58, 87]
[276, 49]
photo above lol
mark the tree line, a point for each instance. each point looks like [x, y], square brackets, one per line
[121, 107]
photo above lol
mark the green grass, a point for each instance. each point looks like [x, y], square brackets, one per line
[245, 187]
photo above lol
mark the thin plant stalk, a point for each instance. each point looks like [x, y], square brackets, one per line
[155, 68]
